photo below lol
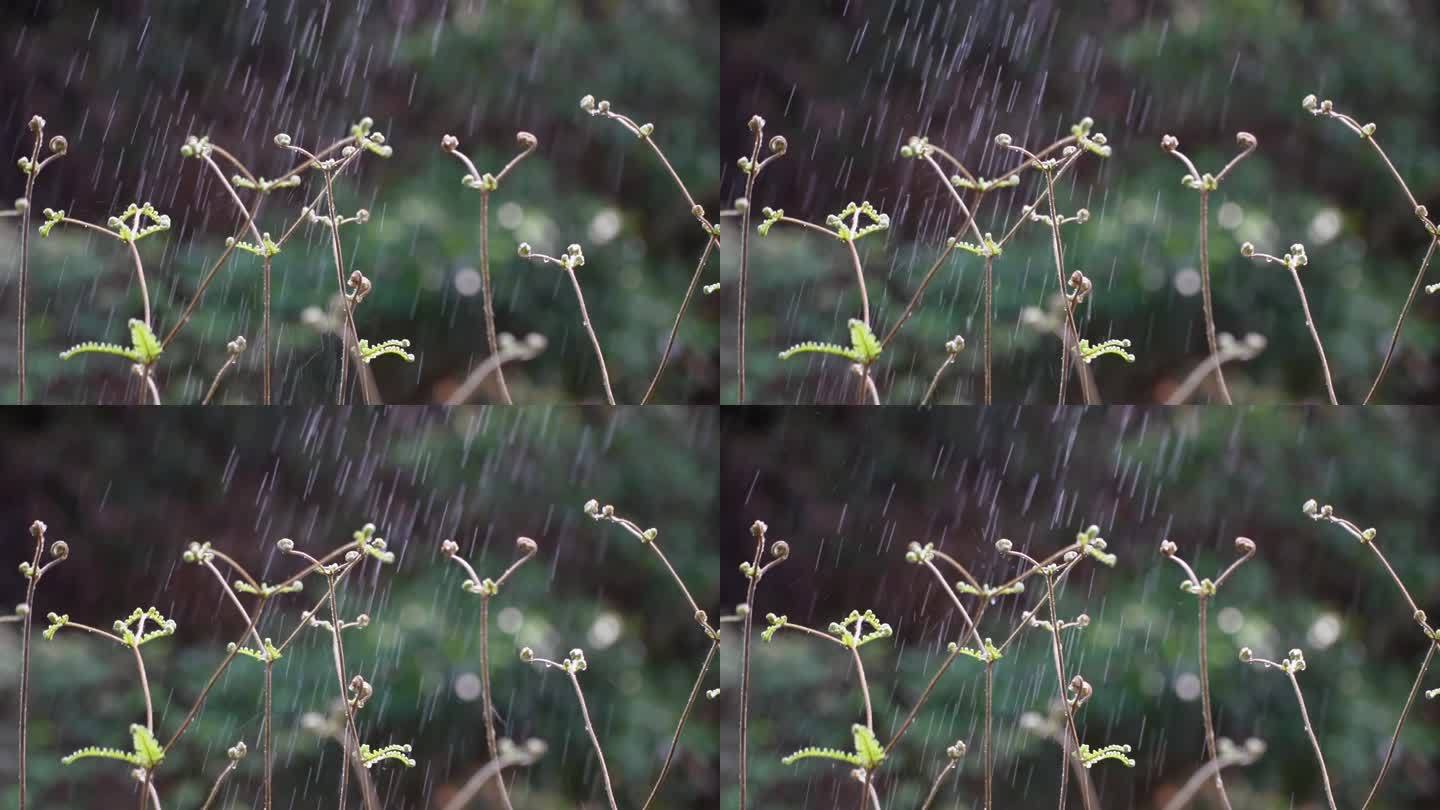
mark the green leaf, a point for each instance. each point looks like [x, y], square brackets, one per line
[1089, 757]
[369, 757]
[1117, 347]
[864, 342]
[867, 748]
[148, 753]
[813, 347]
[92, 347]
[392, 346]
[147, 748]
[144, 342]
[822, 753]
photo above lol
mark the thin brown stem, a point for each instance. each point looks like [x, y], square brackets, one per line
[675, 329]
[746, 631]
[349, 337]
[488, 705]
[759, 130]
[1400, 725]
[37, 529]
[987, 748]
[1314, 742]
[1210, 317]
[684, 715]
[1400, 322]
[935, 381]
[594, 740]
[490, 334]
[1210, 748]
[989, 319]
[590, 330]
[1314, 334]
[21, 314]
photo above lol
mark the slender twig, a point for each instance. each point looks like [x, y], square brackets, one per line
[675, 329]
[1230, 755]
[485, 184]
[756, 571]
[1293, 261]
[684, 715]
[757, 126]
[1400, 322]
[572, 259]
[1295, 663]
[1230, 350]
[33, 573]
[510, 757]
[952, 350]
[511, 350]
[234, 349]
[58, 146]
[1204, 184]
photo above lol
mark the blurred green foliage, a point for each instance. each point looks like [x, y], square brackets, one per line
[127, 85]
[129, 492]
[853, 81]
[848, 506]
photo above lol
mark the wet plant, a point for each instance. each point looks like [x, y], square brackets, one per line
[1366, 132]
[953, 347]
[486, 589]
[751, 167]
[646, 132]
[753, 571]
[868, 754]
[1080, 141]
[854, 222]
[1367, 537]
[575, 663]
[1204, 184]
[1293, 261]
[572, 259]
[32, 571]
[487, 183]
[31, 168]
[1204, 590]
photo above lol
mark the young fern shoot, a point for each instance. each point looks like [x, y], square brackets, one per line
[1326, 109]
[364, 140]
[846, 227]
[1293, 261]
[1205, 184]
[953, 347]
[31, 168]
[572, 259]
[1204, 590]
[32, 572]
[751, 167]
[485, 184]
[646, 132]
[486, 589]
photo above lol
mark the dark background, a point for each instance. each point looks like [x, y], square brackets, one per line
[849, 502]
[127, 82]
[129, 491]
[848, 82]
